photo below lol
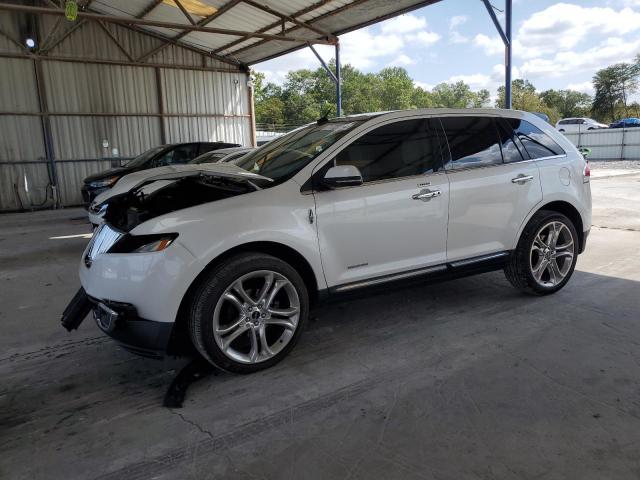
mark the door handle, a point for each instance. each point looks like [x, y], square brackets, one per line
[522, 179]
[426, 195]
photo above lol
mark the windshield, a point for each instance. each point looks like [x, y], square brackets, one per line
[208, 158]
[282, 158]
[144, 157]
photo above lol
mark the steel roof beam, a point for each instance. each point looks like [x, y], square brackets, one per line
[115, 41]
[149, 8]
[305, 10]
[185, 12]
[328, 14]
[271, 11]
[152, 23]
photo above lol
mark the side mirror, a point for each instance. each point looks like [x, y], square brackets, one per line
[342, 176]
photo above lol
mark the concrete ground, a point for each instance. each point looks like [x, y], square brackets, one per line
[464, 379]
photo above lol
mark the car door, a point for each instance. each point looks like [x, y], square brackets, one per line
[489, 196]
[396, 221]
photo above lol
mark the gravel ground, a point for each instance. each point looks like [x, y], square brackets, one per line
[614, 164]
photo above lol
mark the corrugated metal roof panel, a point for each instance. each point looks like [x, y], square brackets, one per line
[81, 137]
[21, 139]
[14, 194]
[120, 7]
[206, 41]
[333, 16]
[18, 86]
[89, 87]
[195, 92]
[9, 24]
[234, 129]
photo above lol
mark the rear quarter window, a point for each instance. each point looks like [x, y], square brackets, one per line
[536, 143]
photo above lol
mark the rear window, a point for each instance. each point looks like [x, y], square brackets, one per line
[473, 141]
[565, 122]
[536, 143]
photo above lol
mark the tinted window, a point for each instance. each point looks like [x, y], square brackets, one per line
[396, 150]
[472, 141]
[512, 149]
[178, 155]
[283, 157]
[537, 143]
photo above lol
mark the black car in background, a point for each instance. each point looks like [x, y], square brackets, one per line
[176, 153]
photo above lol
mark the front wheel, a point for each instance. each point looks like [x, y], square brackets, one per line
[546, 255]
[248, 312]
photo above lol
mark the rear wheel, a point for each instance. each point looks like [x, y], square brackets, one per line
[248, 313]
[546, 254]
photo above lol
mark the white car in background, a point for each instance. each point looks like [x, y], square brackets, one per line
[578, 125]
[227, 260]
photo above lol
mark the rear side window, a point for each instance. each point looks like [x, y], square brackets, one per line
[512, 149]
[400, 149]
[473, 141]
[537, 143]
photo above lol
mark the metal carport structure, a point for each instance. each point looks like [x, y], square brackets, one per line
[220, 39]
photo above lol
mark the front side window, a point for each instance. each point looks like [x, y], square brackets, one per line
[400, 149]
[211, 157]
[537, 143]
[178, 155]
[473, 141]
[145, 157]
[282, 158]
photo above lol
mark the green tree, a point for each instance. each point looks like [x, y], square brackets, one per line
[568, 103]
[613, 86]
[457, 95]
[395, 88]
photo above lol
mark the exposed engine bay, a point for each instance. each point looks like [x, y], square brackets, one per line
[156, 198]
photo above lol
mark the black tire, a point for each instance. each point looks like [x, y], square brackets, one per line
[519, 270]
[561, 130]
[213, 286]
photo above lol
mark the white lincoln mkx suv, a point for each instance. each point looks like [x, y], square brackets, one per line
[227, 259]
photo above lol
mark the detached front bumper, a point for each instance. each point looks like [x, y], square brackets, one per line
[121, 322]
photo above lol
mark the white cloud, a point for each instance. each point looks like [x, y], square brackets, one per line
[563, 26]
[403, 24]
[423, 85]
[459, 20]
[564, 62]
[490, 45]
[584, 87]
[423, 38]
[403, 60]
[457, 37]
[476, 81]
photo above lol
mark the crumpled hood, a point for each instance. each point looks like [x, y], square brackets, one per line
[166, 175]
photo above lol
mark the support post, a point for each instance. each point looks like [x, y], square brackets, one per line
[46, 130]
[163, 127]
[338, 82]
[506, 39]
[252, 115]
[507, 56]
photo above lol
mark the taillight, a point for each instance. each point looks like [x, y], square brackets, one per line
[586, 173]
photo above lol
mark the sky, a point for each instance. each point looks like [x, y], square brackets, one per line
[556, 44]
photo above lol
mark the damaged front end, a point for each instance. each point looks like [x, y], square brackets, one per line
[136, 200]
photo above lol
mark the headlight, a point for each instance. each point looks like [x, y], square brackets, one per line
[105, 182]
[143, 243]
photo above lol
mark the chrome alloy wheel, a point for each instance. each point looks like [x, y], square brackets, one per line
[552, 254]
[256, 316]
